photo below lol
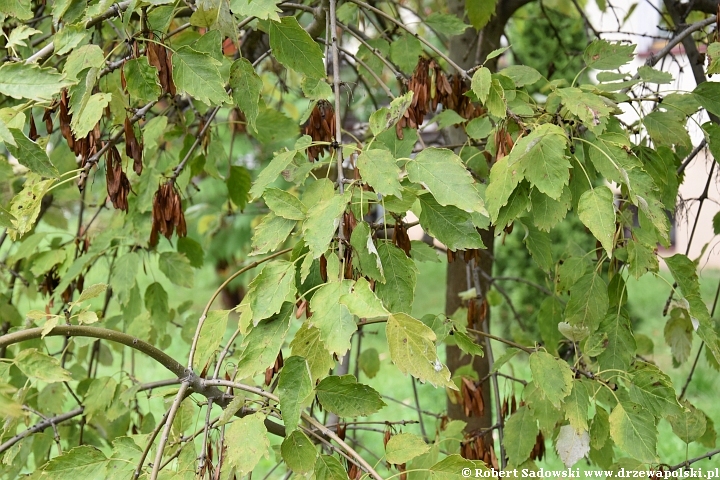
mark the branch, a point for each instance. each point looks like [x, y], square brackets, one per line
[182, 393]
[114, 11]
[672, 43]
[40, 426]
[432, 47]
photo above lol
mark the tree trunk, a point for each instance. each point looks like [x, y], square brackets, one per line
[468, 50]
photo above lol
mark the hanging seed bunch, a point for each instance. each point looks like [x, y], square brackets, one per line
[321, 127]
[503, 143]
[400, 237]
[167, 213]
[118, 185]
[472, 399]
[458, 101]
[237, 121]
[429, 85]
[538, 451]
[159, 57]
[133, 148]
[479, 447]
[82, 147]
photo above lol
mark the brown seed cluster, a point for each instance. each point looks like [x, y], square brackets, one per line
[133, 148]
[503, 143]
[270, 372]
[428, 84]
[167, 213]
[400, 237]
[479, 447]
[472, 399]
[431, 88]
[321, 127]
[83, 147]
[159, 57]
[467, 255]
[538, 451]
[118, 185]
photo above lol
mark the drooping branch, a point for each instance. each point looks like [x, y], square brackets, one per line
[40, 426]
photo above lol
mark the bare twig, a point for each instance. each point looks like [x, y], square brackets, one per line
[40, 426]
[168, 426]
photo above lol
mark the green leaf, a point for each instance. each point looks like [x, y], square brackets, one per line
[549, 315]
[262, 9]
[25, 206]
[398, 291]
[548, 212]
[367, 254]
[684, 272]
[496, 100]
[620, 349]
[422, 252]
[481, 82]
[716, 223]
[307, 344]
[333, 319]
[284, 204]
[30, 154]
[521, 74]
[479, 12]
[521, 430]
[450, 225]
[246, 87]
[40, 366]
[247, 442]
[413, 351]
[466, 344]
[362, 302]
[322, 222]
[329, 468]
[588, 302]
[377, 168]
[576, 405]
[80, 462]
[142, 80]
[271, 288]
[124, 275]
[688, 422]
[539, 245]
[541, 157]
[442, 172]
[176, 268]
[261, 346]
[294, 48]
[238, 184]
[633, 429]
[678, 334]
[20, 80]
[403, 447]
[384, 118]
[652, 389]
[596, 210]
[197, 74]
[641, 259]
[299, 453]
[553, 376]
[89, 114]
[20, 9]
[650, 75]
[295, 390]
[604, 55]
[667, 128]
[99, 396]
[211, 335]
[446, 24]
[271, 233]
[707, 93]
[504, 177]
[345, 397]
[404, 52]
[369, 362]
[479, 128]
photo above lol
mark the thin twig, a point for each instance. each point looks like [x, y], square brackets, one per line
[40, 426]
[168, 426]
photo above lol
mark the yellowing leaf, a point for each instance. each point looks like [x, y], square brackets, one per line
[40, 366]
[413, 350]
[247, 442]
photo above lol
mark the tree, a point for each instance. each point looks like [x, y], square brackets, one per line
[195, 96]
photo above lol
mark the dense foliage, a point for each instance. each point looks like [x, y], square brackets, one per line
[284, 144]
